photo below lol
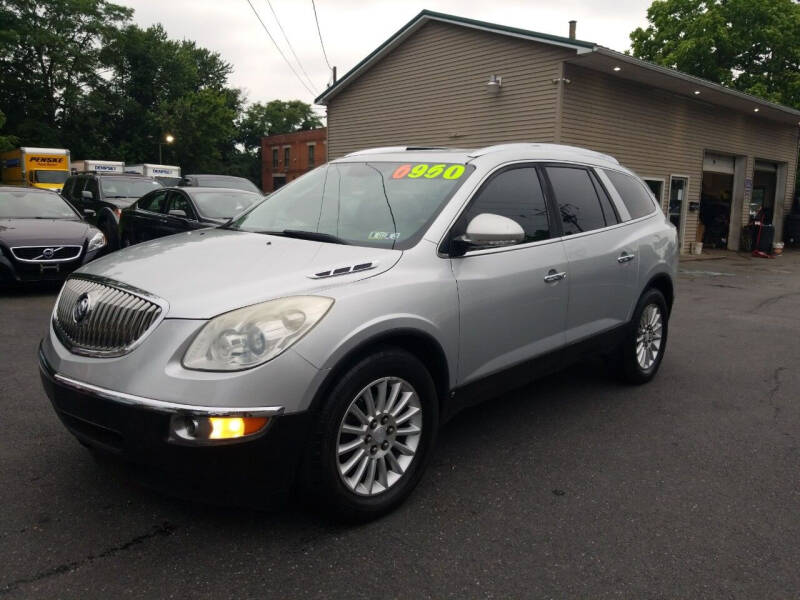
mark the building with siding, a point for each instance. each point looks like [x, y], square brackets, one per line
[713, 156]
[286, 156]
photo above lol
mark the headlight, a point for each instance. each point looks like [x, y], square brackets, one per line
[97, 241]
[250, 336]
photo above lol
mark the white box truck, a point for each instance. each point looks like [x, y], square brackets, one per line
[99, 166]
[167, 174]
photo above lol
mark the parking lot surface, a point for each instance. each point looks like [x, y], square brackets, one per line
[575, 486]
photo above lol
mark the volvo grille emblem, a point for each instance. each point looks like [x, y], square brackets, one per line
[83, 306]
[48, 253]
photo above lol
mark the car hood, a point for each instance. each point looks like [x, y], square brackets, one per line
[42, 232]
[208, 272]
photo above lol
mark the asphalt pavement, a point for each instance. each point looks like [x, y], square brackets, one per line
[575, 486]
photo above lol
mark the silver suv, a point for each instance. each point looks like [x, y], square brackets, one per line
[317, 341]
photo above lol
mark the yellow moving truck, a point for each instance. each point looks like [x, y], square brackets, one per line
[46, 168]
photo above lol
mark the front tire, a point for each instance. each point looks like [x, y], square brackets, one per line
[374, 436]
[639, 356]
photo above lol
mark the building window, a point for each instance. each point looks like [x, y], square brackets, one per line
[274, 158]
[311, 155]
[286, 158]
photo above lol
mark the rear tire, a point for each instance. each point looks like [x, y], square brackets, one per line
[638, 358]
[374, 436]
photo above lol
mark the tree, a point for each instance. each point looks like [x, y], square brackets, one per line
[48, 58]
[276, 116]
[7, 142]
[750, 45]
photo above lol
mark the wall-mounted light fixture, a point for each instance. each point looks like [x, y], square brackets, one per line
[495, 81]
[697, 92]
[755, 110]
[618, 69]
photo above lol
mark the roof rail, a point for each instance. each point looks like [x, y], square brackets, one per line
[529, 145]
[387, 149]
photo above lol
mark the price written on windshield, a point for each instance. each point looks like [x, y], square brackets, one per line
[425, 171]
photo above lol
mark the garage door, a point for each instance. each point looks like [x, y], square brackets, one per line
[718, 163]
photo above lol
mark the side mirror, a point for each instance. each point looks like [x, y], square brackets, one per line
[178, 213]
[488, 230]
[88, 211]
[87, 195]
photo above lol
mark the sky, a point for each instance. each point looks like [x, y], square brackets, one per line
[351, 29]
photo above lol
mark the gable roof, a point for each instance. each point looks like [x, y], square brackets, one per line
[426, 16]
[587, 54]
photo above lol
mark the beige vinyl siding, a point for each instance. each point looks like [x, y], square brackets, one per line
[658, 134]
[431, 90]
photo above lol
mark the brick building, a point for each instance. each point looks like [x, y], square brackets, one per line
[286, 156]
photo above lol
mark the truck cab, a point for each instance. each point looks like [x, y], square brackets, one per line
[43, 168]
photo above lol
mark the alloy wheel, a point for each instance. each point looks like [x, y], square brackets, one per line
[649, 335]
[379, 436]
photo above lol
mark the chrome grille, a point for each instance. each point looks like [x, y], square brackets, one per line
[46, 254]
[112, 320]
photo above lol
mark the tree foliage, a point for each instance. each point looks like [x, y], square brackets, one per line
[750, 45]
[277, 116]
[78, 74]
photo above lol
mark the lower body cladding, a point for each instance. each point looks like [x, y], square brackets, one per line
[165, 445]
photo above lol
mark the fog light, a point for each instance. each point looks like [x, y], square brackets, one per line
[226, 428]
[208, 430]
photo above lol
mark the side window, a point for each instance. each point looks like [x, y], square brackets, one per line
[516, 194]
[153, 202]
[177, 201]
[66, 191]
[578, 202]
[634, 195]
[91, 186]
[77, 188]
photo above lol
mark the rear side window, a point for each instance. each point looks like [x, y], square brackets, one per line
[516, 194]
[578, 202]
[633, 194]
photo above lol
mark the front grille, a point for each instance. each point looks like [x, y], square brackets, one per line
[45, 254]
[104, 318]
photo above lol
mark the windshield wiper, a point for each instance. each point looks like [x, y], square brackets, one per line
[307, 235]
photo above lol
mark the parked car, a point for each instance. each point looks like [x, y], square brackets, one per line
[175, 210]
[42, 237]
[322, 336]
[100, 197]
[220, 181]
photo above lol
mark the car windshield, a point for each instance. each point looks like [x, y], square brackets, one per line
[123, 187]
[50, 176]
[224, 204]
[382, 204]
[34, 205]
[236, 183]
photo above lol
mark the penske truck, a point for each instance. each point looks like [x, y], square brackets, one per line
[99, 166]
[166, 174]
[45, 168]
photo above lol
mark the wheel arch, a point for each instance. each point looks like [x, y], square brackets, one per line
[416, 342]
[663, 283]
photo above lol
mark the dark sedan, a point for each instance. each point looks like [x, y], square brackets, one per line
[42, 237]
[173, 210]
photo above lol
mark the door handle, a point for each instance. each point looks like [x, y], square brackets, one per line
[625, 257]
[554, 276]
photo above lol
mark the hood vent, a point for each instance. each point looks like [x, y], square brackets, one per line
[345, 270]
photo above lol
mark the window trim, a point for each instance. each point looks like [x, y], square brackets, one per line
[684, 204]
[663, 189]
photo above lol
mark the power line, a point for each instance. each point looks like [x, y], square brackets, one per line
[288, 43]
[283, 56]
[325, 54]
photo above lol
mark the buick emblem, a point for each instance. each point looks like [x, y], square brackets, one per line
[48, 253]
[83, 306]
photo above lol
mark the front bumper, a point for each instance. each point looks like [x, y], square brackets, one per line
[136, 429]
[20, 272]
